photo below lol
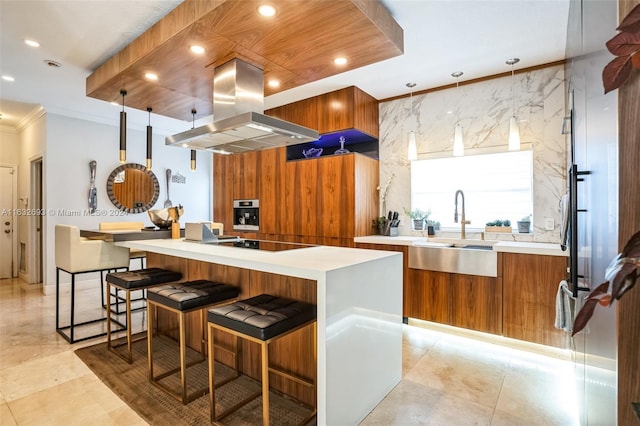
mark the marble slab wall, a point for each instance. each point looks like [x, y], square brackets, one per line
[484, 110]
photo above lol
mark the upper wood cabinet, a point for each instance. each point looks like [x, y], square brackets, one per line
[348, 108]
[246, 169]
[223, 181]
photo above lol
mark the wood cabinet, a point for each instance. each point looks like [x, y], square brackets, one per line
[427, 296]
[328, 200]
[476, 303]
[246, 170]
[530, 288]
[348, 108]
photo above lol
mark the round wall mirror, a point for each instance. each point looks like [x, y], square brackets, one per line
[132, 188]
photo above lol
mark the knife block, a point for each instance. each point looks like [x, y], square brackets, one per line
[391, 231]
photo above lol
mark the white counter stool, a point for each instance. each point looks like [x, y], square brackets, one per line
[181, 299]
[133, 255]
[76, 255]
[261, 319]
[129, 281]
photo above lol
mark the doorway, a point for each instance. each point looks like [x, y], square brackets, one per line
[35, 221]
[8, 253]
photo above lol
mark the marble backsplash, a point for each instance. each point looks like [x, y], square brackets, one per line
[484, 110]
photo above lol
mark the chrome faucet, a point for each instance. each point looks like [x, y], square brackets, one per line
[463, 222]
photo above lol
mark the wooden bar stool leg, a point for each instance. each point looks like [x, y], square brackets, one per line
[183, 357]
[150, 323]
[129, 326]
[212, 398]
[265, 383]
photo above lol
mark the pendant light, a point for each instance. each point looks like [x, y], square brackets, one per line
[149, 139]
[412, 152]
[514, 128]
[123, 130]
[193, 151]
[458, 143]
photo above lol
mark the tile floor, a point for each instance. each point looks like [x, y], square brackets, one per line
[448, 379]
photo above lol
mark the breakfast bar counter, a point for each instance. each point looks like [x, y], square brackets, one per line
[358, 294]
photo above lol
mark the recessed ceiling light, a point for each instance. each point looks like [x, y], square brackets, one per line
[266, 10]
[8, 78]
[151, 76]
[32, 43]
[198, 50]
[273, 83]
[340, 61]
[52, 63]
[115, 103]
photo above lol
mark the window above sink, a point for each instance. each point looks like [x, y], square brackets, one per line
[496, 186]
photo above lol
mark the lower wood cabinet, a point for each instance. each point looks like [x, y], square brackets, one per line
[428, 296]
[476, 303]
[530, 288]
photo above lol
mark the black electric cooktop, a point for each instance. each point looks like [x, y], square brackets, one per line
[261, 244]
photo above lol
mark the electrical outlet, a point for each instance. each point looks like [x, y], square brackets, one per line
[549, 224]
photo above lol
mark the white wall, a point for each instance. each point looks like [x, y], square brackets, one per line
[9, 145]
[73, 143]
[484, 109]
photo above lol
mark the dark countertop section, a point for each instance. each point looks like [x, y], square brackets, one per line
[127, 235]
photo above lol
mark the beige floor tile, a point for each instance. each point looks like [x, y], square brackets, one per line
[456, 372]
[412, 403]
[79, 401]
[42, 373]
[6, 417]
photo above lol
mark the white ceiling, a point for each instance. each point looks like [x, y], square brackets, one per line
[441, 36]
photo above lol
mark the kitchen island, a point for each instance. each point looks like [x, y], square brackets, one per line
[359, 303]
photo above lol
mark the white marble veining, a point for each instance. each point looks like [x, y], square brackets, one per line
[483, 109]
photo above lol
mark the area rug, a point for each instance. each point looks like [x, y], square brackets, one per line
[130, 382]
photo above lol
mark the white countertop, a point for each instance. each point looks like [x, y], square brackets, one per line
[549, 249]
[308, 262]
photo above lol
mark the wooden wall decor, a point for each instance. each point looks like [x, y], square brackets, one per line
[361, 30]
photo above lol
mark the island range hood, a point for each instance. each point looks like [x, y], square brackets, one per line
[239, 123]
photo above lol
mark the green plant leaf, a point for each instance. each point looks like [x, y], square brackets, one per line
[615, 73]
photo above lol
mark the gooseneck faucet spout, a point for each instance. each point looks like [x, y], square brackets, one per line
[463, 222]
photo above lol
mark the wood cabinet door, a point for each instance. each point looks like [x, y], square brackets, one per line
[476, 303]
[223, 190]
[301, 198]
[336, 199]
[272, 181]
[304, 112]
[427, 296]
[530, 289]
[335, 111]
[246, 169]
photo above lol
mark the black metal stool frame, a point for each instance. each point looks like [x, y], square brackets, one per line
[265, 370]
[70, 338]
[152, 312]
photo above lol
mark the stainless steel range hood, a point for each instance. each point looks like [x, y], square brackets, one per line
[239, 123]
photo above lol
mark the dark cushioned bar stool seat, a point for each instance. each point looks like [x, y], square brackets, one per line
[129, 281]
[261, 319]
[181, 299]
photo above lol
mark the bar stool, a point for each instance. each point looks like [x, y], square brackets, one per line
[131, 281]
[77, 255]
[182, 299]
[261, 319]
[134, 254]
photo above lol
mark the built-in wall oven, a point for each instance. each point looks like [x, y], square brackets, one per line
[246, 215]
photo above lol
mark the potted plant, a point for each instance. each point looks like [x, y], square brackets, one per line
[498, 225]
[418, 217]
[524, 225]
[379, 224]
[432, 226]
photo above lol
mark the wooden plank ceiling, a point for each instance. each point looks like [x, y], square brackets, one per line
[295, 47]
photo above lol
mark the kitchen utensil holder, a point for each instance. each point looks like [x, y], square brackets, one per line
[391, 231]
